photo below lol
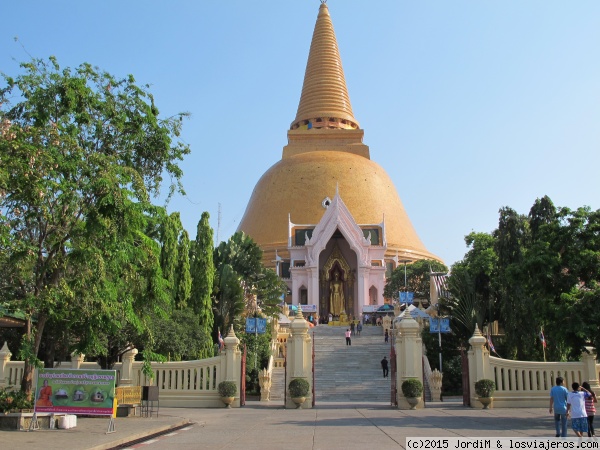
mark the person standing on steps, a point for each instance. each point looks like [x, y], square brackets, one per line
[384, 366]
[386, 336]
[358, 328]
[348, 334]
[352, 328]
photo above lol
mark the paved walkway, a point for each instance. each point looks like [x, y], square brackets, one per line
[264, 426]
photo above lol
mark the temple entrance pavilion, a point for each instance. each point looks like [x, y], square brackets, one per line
[337, 266]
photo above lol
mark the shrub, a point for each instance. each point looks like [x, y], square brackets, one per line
[412, 388]
[485, 387]
[298, 387]
[227, 389]
[11, 399]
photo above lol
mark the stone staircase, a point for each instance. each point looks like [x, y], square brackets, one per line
[344, 373]
[350, 373]
[277, 388]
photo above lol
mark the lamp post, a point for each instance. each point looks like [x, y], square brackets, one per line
[405, 261]
[437, 306]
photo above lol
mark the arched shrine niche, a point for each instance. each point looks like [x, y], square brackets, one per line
[372, 295]
[337, 285]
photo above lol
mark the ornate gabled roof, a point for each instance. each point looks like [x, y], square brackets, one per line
[324, 102]
[338, 216]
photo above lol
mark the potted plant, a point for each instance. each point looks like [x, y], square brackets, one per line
[227, 391]
[298, 389]
[485, 390]
[412, 389]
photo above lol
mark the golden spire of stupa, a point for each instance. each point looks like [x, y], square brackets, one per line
[324, 102]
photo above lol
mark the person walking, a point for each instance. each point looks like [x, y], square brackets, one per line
[384, 366]
[352, 328]
[558, 402]
[348, 334]
[386, 336]
[358, 328]
[590, 408]
[576, 406]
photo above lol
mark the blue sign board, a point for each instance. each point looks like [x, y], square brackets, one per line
[435, 324]
[256, 325]
[407, 297]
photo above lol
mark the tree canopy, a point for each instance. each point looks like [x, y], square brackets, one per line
[81, 153]
[539, 271]
[417, 278]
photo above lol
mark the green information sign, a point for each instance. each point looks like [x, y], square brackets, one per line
[72, 391]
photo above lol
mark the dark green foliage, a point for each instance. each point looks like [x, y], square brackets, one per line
[184, 277]
[80, 154]
[298, 387]
[417, 278]
[203, 278]
[485, 387]
[451, 344]
[169, 253]
[180, 337]
[229, 297]
[243, 283]
[540, 271]
[227, 389]
[412, 387]
[11, 399]
[258, 348]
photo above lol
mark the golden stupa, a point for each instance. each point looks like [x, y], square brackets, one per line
[325, 154]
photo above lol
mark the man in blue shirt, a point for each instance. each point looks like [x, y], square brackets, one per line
[558, 401]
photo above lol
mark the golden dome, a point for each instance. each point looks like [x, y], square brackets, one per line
[325, 150]
[297, 185]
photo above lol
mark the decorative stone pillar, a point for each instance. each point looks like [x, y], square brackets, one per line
[409, 356]
[77, 360]
[127, 367]
[591, 374]
[5, 355]
[233, 358]
[264, 379]
[435, 385]
[299, 357]
[479, 365]
[313, 289]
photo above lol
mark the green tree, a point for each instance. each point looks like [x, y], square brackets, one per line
[534, 272]
[229, 301]
[169, 253]
[239, 260]
[203, 276]
[184, 277]
[417, 278]
[81, 152]
[180, 337]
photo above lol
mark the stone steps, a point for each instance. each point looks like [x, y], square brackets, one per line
[350, 373]
[345, 373]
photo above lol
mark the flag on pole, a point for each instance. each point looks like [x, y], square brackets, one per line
[221, 341]
[542, 338]
[491, 344]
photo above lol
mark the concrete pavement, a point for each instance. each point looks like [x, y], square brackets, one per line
[266, 426]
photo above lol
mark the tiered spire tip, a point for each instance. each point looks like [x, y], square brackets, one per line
[324, 102]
